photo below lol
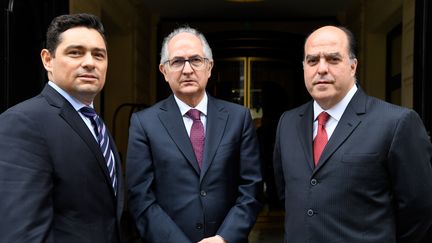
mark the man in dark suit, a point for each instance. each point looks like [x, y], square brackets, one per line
[56, 184]
[180, 191]
[371, 178]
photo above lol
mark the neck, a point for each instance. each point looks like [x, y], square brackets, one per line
[191, 101]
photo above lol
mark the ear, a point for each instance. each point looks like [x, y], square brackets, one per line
[163, 71]
[46, 60]
[353, 66]
[209, 68]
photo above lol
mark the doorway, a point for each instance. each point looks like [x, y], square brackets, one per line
[263, 72]
[262, 84]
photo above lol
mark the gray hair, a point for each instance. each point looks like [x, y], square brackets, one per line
[186, 29]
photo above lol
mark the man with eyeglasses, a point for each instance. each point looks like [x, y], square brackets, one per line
[192, 166]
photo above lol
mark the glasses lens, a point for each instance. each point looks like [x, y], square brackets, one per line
[197, 62]
[177, 63]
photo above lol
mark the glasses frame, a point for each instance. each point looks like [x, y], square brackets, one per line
[184, 60]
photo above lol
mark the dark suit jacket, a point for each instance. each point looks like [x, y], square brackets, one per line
[54, 183]
[373, 182]
[171, 199]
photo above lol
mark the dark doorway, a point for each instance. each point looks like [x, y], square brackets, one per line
[422, 62]
[246, 62]
[261, 70]
[24, 24]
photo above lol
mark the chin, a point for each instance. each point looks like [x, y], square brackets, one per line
[89, 90]
[317, 95]
[190, 90]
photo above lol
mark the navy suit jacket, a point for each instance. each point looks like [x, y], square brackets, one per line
[373, 182]
[170, 197]
[54, 182]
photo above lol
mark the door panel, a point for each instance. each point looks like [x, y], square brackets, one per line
[24, 27]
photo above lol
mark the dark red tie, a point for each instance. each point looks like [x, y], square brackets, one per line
[197, 134]
[321, 137]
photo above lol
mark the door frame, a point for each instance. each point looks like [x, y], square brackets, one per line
[422, 61]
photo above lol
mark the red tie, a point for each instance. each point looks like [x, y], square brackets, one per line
[197, 134]
[321, 137]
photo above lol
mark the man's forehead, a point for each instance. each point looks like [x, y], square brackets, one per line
[326, 37]
[81, 36]
[184, 38]
[328, 48]
[185, 46]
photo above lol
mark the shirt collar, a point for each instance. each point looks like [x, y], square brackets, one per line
[72, 100]
[202, 105]
[337, 110]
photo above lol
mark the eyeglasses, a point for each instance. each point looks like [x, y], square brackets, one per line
[178, 63]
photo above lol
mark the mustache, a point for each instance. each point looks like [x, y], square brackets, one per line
[322, 80]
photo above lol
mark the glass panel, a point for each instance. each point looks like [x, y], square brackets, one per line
[265, 85]
[228, 80]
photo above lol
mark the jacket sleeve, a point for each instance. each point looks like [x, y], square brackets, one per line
[153, 223]
[25, 181]
[409, 164]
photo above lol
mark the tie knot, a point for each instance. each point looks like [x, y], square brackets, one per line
[194, 114]
[88, 112]
[323, 118]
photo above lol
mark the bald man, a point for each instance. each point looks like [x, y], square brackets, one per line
[350, 167]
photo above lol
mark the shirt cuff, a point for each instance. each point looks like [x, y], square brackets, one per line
[222, 238]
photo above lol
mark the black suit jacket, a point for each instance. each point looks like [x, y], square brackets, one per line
[170, 197]
[373, 182]
[54, 183]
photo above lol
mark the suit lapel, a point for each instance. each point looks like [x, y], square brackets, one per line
[347, 124]
[304, 128]
[217, 118]
[172, 120]
[71, 117]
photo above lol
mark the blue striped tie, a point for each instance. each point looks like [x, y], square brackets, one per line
[103, 140]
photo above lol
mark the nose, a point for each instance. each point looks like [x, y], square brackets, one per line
[88, 61]
[187, 67]
[322, 66]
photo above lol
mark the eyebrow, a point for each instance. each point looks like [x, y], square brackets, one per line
[82, 47]
[189, 57]
[326, 55]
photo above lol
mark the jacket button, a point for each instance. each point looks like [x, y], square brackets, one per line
[310, 212]
[203, 193]
[199, 226]
[313, 182]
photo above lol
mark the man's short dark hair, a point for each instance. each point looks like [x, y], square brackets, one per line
[64, 22]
